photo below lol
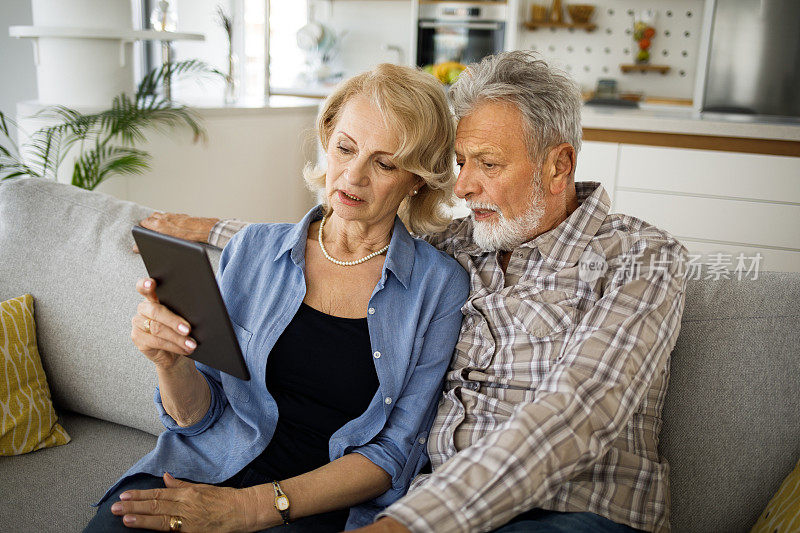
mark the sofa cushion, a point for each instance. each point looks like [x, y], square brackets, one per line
[782, 515]
[28, 420]
[52, 490]
[731, 430]
[72, 250]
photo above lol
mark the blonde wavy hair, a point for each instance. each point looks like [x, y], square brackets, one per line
[414, 103]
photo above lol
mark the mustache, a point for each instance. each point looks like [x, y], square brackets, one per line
[483, 205]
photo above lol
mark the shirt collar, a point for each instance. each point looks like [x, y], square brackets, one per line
[399, 257]
[563, 245]
[296, 239]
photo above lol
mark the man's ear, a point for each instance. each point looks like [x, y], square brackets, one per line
[561, 163]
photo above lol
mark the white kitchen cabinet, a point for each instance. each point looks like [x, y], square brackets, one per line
[597, 161]
[710, 173]
[714, 201]
[719, 220]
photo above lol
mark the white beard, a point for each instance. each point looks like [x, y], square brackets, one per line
[506, 234]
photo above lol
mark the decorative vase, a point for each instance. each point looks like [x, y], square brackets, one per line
[643, 33]
[231, 81]
[163, 17]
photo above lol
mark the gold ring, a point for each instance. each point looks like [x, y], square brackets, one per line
[146, 329]
[175, 523]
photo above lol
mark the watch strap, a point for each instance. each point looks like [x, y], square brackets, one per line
[280, 494]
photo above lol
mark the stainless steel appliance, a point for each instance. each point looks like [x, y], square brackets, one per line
[463, 32]
[754, 59]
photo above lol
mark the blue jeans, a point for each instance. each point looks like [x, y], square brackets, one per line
[541, 521]
[105, 521]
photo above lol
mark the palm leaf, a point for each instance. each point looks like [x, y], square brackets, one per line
[102, 162]
[106, 140]
[4, 129]
[14, 174]
[11, 165]
[153, 81]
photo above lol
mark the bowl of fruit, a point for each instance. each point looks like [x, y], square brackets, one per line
[446, 72]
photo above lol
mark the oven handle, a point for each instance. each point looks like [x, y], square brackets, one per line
[467, 25]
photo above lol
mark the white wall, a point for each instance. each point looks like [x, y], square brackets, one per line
[17, 69]
[249, 168]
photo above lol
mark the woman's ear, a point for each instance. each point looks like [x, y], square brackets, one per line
[419, 183]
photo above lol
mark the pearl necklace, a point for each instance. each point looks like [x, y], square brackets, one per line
[345, 263]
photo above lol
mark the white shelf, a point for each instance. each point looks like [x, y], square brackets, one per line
[100, 33]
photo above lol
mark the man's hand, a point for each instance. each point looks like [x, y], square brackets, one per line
[182, 226]
[384, 525]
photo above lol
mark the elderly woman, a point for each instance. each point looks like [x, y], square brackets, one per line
[347, 324]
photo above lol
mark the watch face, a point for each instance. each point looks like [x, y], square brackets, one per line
[282, 503]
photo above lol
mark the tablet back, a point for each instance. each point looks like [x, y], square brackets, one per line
[185, 283]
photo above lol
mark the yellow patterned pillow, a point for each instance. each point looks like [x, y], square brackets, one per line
[782, 514]
[28, 420]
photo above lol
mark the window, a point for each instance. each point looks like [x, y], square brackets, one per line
[254, 51]
[261, 27]
[286, 61]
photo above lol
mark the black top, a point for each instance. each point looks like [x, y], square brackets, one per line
[321, 374]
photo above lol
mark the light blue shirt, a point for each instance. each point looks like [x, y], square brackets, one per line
[414, 317]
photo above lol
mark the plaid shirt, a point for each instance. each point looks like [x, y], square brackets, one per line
[554, 395]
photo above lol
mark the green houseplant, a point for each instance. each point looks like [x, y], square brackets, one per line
[104, 143]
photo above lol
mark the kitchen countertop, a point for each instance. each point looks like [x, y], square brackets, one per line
[685, 121]
[649, 118]
[656, 118]
[213, 108]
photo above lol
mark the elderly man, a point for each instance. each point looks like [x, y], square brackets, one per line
[551, 409]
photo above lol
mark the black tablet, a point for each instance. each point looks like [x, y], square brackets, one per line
[185, 283]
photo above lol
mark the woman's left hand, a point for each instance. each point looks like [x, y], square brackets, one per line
[199, 507]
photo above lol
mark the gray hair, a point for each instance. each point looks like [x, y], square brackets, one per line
[549, 100]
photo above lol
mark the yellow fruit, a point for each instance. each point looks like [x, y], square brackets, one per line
[443, 70]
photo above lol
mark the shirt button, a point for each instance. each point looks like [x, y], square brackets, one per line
[377, 355]
[371, 310]
[387, 401]
[422, 440]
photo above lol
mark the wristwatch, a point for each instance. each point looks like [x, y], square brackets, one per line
[281, 502]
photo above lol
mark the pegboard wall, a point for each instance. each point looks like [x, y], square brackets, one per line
[589, 56]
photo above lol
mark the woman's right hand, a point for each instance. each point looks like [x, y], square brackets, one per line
[161, 335]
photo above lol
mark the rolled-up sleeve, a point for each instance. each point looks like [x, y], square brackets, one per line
[212, 375]
[218, 401]
[400, 447]
[223, 231]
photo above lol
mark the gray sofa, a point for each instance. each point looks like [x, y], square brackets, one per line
[731, 426]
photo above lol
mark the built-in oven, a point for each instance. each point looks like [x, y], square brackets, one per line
[456, 31]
